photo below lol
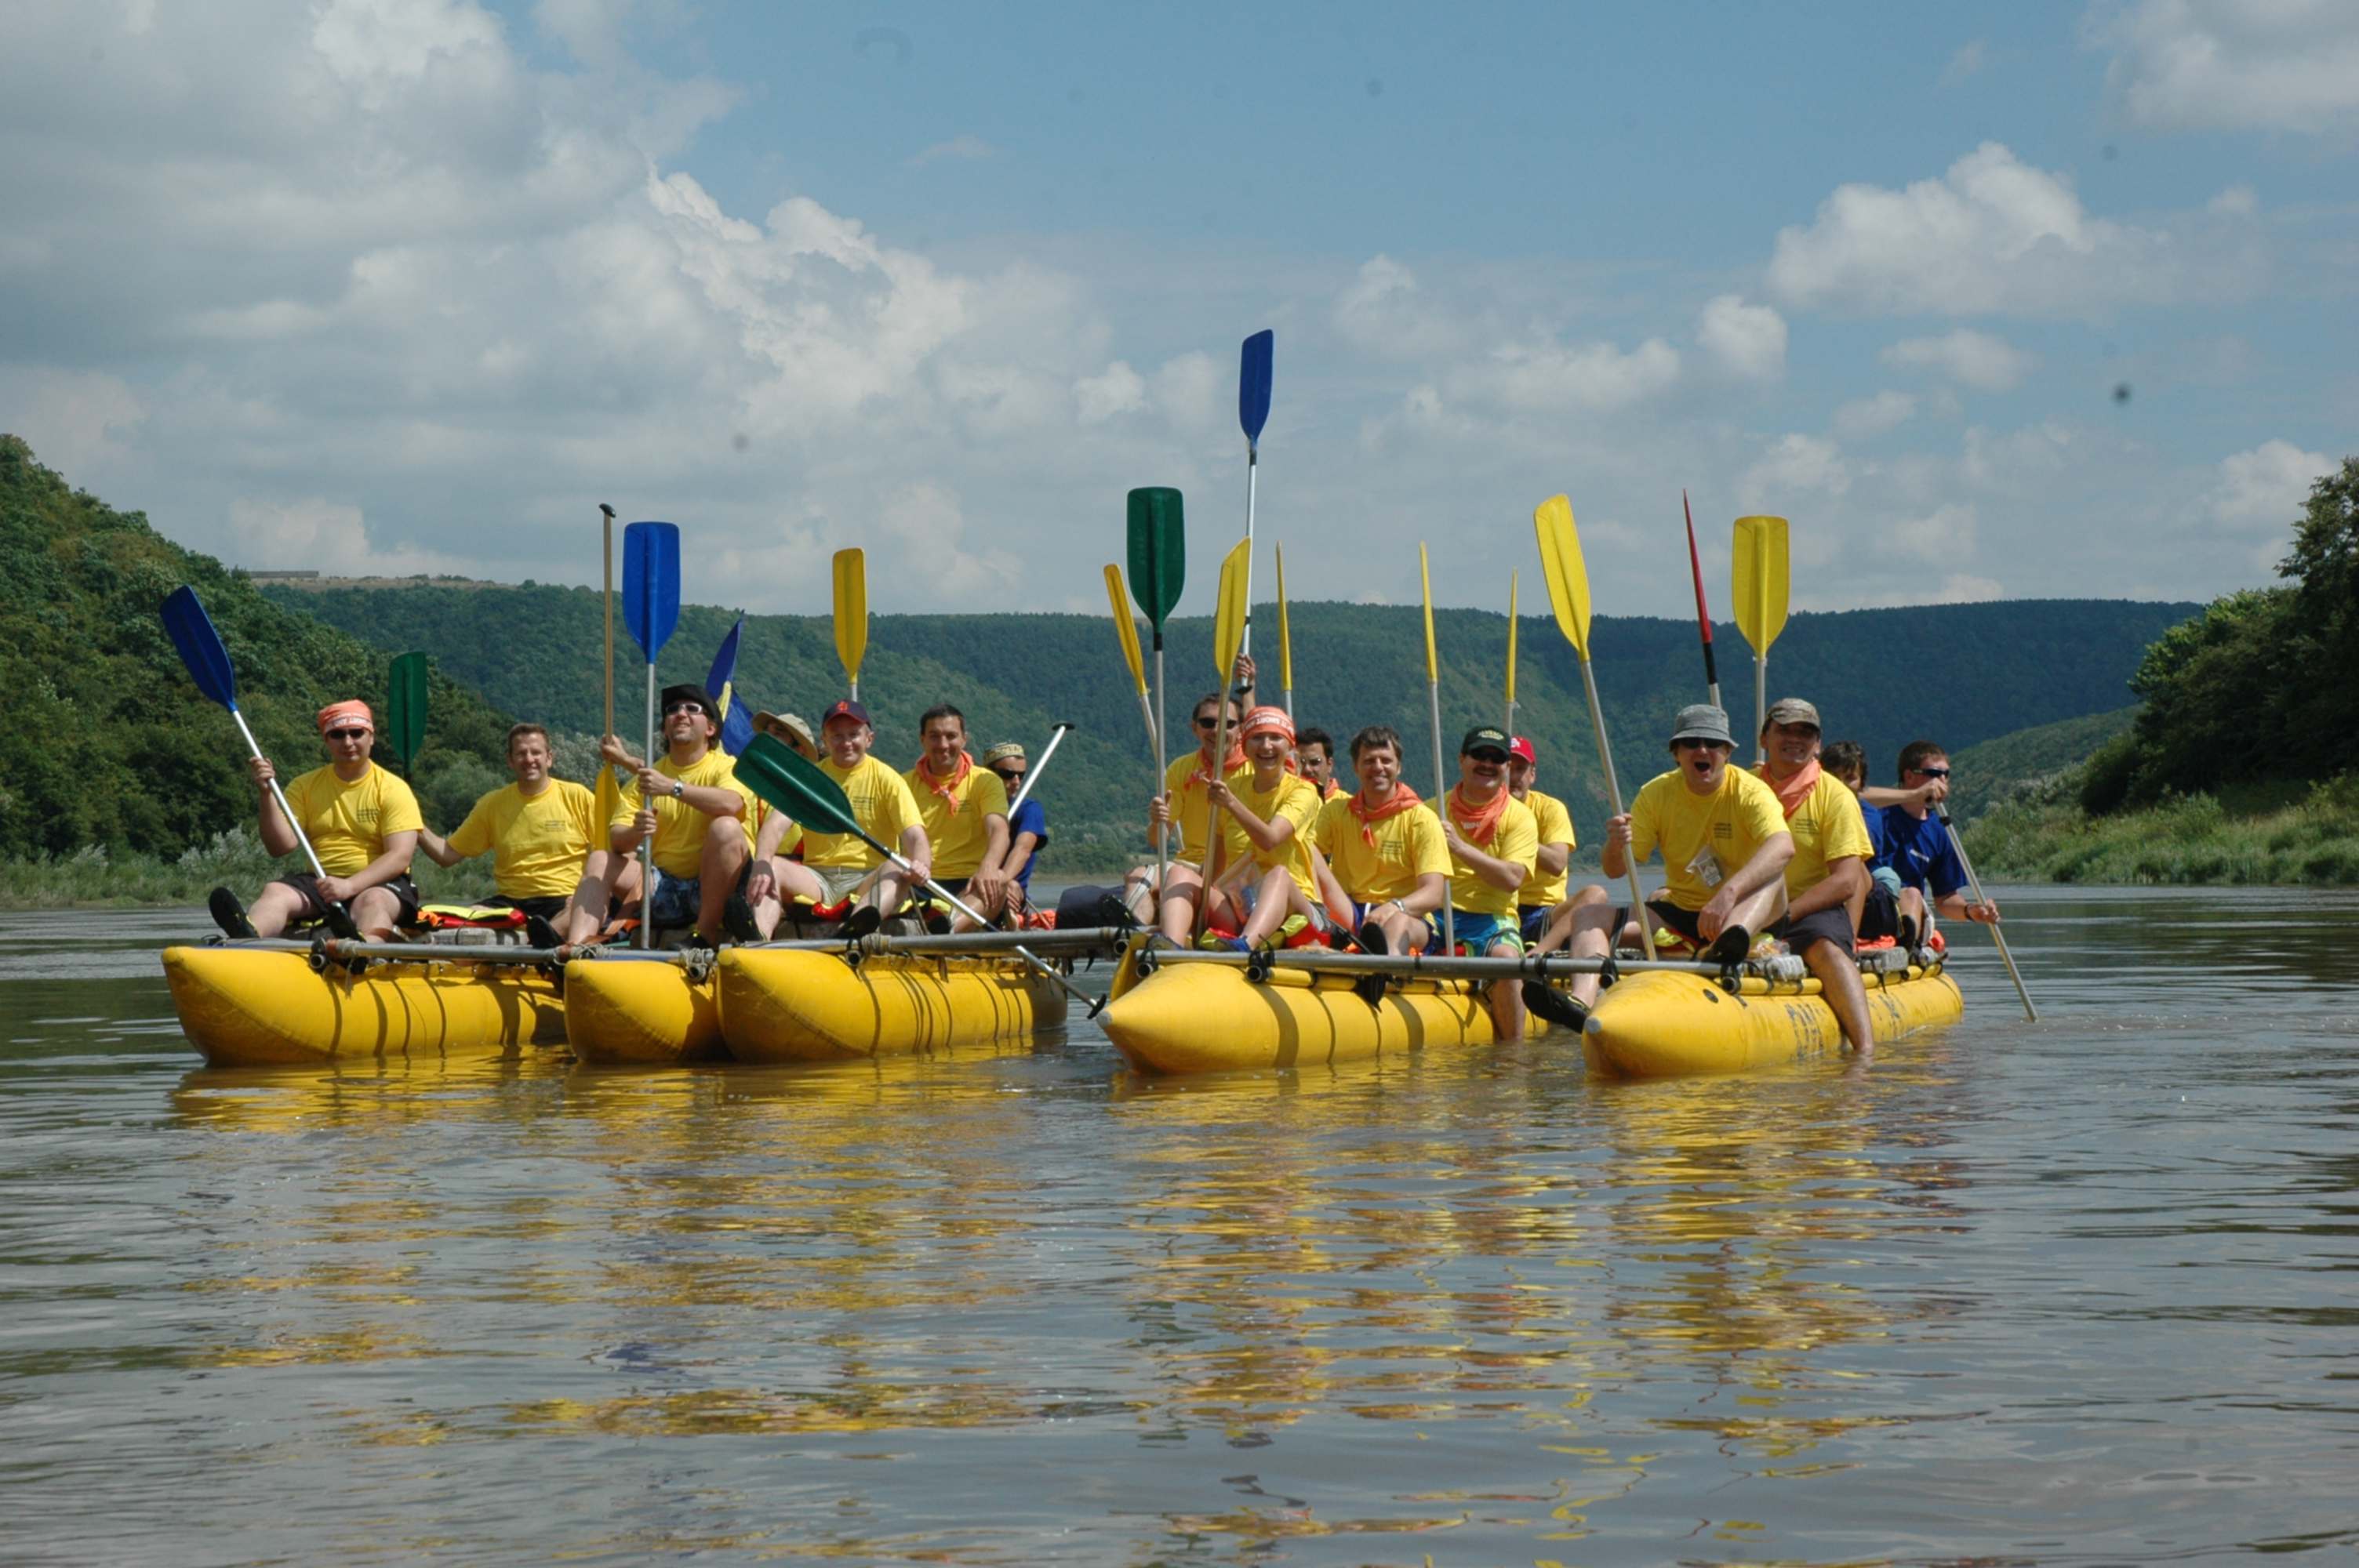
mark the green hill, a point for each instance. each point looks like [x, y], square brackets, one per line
[2009, 766]
[108, 742]
[1881, 676]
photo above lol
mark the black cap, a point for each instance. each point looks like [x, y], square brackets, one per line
[1483, 736]
[695, 694]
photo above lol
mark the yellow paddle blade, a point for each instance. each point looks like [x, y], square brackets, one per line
[1284, 640]
[1760, 580]
[1229, 623]
[1425, 584]
[1567, 578]
[851, 611]
[1514, 581]
[1125, 628]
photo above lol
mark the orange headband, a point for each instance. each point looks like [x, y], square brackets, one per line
[355, 711]
[1263, 719]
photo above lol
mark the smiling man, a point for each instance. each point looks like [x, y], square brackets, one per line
[1826, 881]
[1724, 845]
[848, 872]
[360, 821]
[965, 809]
[547, 856]
[1494, 843]
[692, 803]
[1390, 858]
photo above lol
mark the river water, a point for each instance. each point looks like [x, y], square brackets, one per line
[2079, 1292]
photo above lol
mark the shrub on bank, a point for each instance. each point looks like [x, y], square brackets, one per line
[2189, 840]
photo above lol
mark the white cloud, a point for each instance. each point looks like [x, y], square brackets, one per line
[1384, 313]
[2234, 202]
[1970, 59]
[1993, 234]
[313, 533]
[1121, 390]
[1794, 465]
[1537, 378]
[2274, 65]
[1188, 388]
[1749, 341]
[959, 149]
[2266, 488]
[1946, 534]
[1976, 359]
[1866, 416]
[75, 420]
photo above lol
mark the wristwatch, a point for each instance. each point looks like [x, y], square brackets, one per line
[678, 789]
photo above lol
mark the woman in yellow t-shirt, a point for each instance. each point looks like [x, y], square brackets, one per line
[1266, 838]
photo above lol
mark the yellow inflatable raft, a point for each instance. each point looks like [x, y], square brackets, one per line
[639, 1012]
[1211, 1018]
[261, 1007]
[1661, 1025]
[780, 1004]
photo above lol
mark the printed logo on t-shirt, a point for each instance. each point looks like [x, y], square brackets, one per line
[1723, 830]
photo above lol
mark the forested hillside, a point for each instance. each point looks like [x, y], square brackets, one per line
[1882, 677]
[107, 741]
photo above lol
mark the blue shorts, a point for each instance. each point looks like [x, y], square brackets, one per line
[678, 901]
[1479, 932]
[1535, 921]
[1359, 913]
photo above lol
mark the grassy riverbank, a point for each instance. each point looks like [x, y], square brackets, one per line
[92, 878]
[2191, 839]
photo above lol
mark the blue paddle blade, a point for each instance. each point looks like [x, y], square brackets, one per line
[199, 646]
[651, 584]
[1252, 385]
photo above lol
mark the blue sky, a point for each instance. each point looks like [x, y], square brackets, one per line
[411, 285]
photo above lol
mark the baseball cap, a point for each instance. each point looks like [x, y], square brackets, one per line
[1521, 747]
[1794, 710]
[846, 708]
[1485, 737]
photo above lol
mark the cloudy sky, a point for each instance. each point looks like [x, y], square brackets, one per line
[412, 285]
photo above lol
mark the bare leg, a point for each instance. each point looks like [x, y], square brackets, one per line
[1404, 933]
[1274, 900]
[274, 909]
[717, 868]
[1840, 986]
[585, 913]
[790, 879]
[1506, 997]
[1177, 913]
[376, 911]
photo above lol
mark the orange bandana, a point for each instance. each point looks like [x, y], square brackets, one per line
[1478, 822]
[1204, 760]
[1403, 799]
[1796, 790]
[948, 790]
[352, 712]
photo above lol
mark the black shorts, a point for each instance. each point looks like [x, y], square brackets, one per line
[315, 908]
[546, 908]
[1672, 917]
[1881, 917]
[1831, 925]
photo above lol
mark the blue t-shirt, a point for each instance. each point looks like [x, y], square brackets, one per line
[1029, 818]
[1918, 850]
[1872, 817]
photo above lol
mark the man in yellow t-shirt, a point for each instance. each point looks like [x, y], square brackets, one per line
[1269, 881]
[849, 873]
[360, 820]
[965, 809]
[1827, 881]
[1493, 841]
[549, 857]
[1389, 857]
[1186, 801]
[1537, 900]
[1725, 847]
[692, 805]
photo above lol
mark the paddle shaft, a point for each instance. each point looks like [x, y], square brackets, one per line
[1215, 843]
[1760, 706]
[608, 558]
[1162, 774]
[1974, 883]
[280, 796]
[1032, 774]
[1440, 809]
[1703, 616]
[647, 845]
[1253, 467]
[1614, 798]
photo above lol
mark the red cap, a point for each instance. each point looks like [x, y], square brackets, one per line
[1521, 747]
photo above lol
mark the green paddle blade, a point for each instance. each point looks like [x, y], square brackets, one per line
[1158, 552]
[794, 784]
[405, 707]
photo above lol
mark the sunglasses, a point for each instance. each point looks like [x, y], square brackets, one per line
[1009, 776]
[1931, 772]
[1204, 723]
[1699, 743]
[672, 707]
[346, 734]
[1498, 759]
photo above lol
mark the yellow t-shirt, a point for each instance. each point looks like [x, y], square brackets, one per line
[1827, 827]
[539, 843]
[679, 827]
[1705, 838]
[1555, 823]
[347, 823]
[1297, 800]
[1409, 846]
[1192, 805]
[881, 802]
[956, 826]
[1517, 837]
